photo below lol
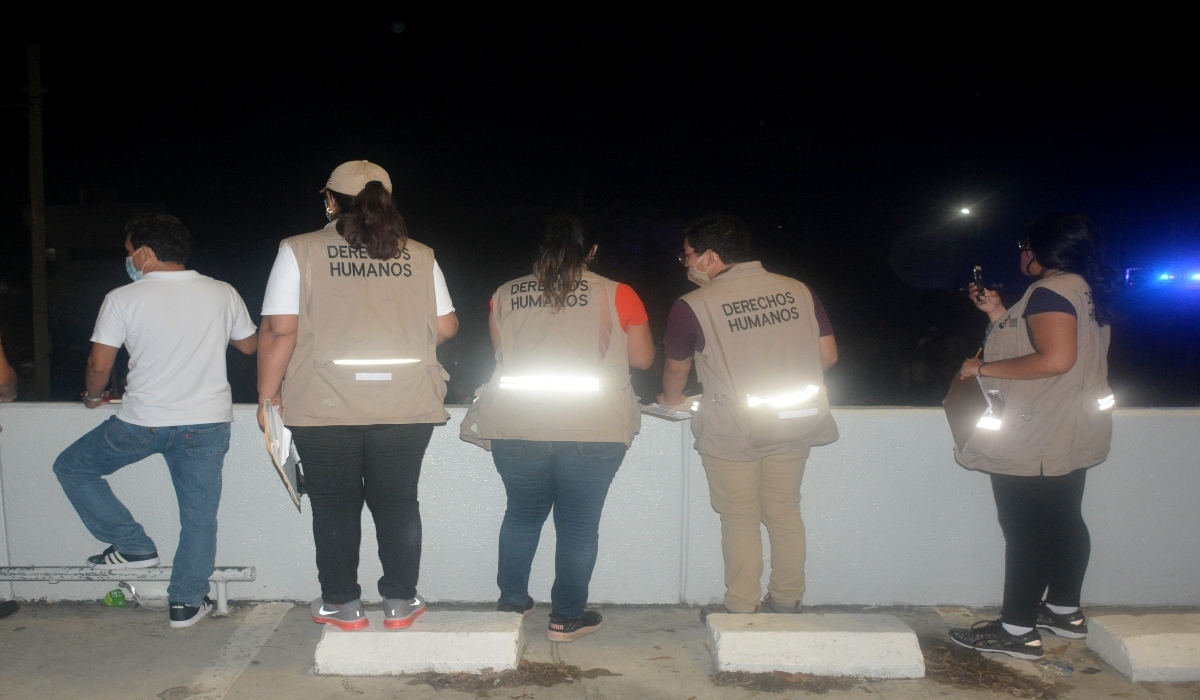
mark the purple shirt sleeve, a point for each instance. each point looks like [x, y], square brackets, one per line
[683, 336]
[1043, 300]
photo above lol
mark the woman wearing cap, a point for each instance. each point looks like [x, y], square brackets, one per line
[352, 318]
[558, 415]
[1046, 360]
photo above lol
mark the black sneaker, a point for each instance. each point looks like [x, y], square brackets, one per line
[1072, 625]
[112, 559]
[566, 630]
[188, 615]
[526, 609]
[990, 635]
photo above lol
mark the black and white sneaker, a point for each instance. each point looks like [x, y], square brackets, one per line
[187, 615]
[526, 608]
[1072, 625]
[111, 559]
[564, 629]
[990, 635]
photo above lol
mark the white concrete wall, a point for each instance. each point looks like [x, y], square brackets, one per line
[891, 518]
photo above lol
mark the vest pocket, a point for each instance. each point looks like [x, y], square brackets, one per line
[374, 393]
[783, 420]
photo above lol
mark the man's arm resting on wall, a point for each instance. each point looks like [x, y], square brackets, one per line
[675, 376]
[99, 372]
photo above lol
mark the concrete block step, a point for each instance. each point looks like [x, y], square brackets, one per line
[834, 644]
[447, 642]
[1149, 647]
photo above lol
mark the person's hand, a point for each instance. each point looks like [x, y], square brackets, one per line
[277, 401]
[970, 368]
[675, 402]
[990, 305]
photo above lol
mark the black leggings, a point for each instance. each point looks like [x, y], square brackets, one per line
[345, 465]
[1047, 544]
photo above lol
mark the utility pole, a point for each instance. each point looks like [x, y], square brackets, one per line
[37, 229]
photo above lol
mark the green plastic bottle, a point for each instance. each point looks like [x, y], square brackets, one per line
[115, 599]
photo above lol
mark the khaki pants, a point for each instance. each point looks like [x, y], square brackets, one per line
[745, 494]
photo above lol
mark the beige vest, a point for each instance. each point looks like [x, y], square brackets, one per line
[764, 389]
[561, 375]
[1049, 426]
[366, 346]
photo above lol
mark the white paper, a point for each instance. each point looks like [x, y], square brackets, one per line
[282, 449]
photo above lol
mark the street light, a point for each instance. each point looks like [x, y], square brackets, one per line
[964, 210]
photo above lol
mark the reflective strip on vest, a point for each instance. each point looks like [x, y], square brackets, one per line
[551, 383]
[988, 423]
[785, 400]
[1107, 402]
[366, 363]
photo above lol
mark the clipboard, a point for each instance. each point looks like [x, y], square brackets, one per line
[283, 454]
[965, 404]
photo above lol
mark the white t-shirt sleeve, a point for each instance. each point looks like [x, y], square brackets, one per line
[444, 303]
[241, 327]
[110, 325]
[283, 286]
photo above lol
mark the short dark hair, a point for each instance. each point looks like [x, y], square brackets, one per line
[162, 233]
[727, 235]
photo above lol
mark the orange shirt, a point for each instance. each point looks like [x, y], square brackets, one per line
[630, 309]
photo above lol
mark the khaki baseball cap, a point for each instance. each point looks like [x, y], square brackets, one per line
[351, 177]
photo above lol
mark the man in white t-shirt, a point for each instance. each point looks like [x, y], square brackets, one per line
[176, 325]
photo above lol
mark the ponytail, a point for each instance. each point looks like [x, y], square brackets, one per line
[1068, 242]
[562, 258]
[370, 220]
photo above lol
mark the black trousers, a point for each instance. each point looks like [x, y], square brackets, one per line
[1046, 542]
[345, 465]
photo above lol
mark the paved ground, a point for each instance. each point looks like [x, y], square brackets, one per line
[75, 650]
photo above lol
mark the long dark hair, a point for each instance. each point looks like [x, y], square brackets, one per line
[1068, 242]
[370, 220]
[562, 257]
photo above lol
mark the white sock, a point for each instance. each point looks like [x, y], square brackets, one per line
[1062, 609]
[1016, 631]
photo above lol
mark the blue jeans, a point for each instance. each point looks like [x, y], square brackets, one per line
[572, 478]
[194, 454]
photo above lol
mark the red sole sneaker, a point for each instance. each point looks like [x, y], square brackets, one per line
[348, 626]
[406, 622]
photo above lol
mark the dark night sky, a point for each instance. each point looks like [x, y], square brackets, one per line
[831, 139]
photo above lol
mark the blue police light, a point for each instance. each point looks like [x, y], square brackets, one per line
[1196, 276]
[1165, 276]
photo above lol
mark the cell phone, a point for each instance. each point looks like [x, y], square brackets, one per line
[980, 291]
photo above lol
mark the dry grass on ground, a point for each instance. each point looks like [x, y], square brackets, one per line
[528, 673]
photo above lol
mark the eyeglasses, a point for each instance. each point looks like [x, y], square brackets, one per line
[685, 256]
[1023, 245]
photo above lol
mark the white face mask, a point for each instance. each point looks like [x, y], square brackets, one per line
[696, 275]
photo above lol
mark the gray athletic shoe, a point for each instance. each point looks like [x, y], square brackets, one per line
[347, 616]
[399, 613]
